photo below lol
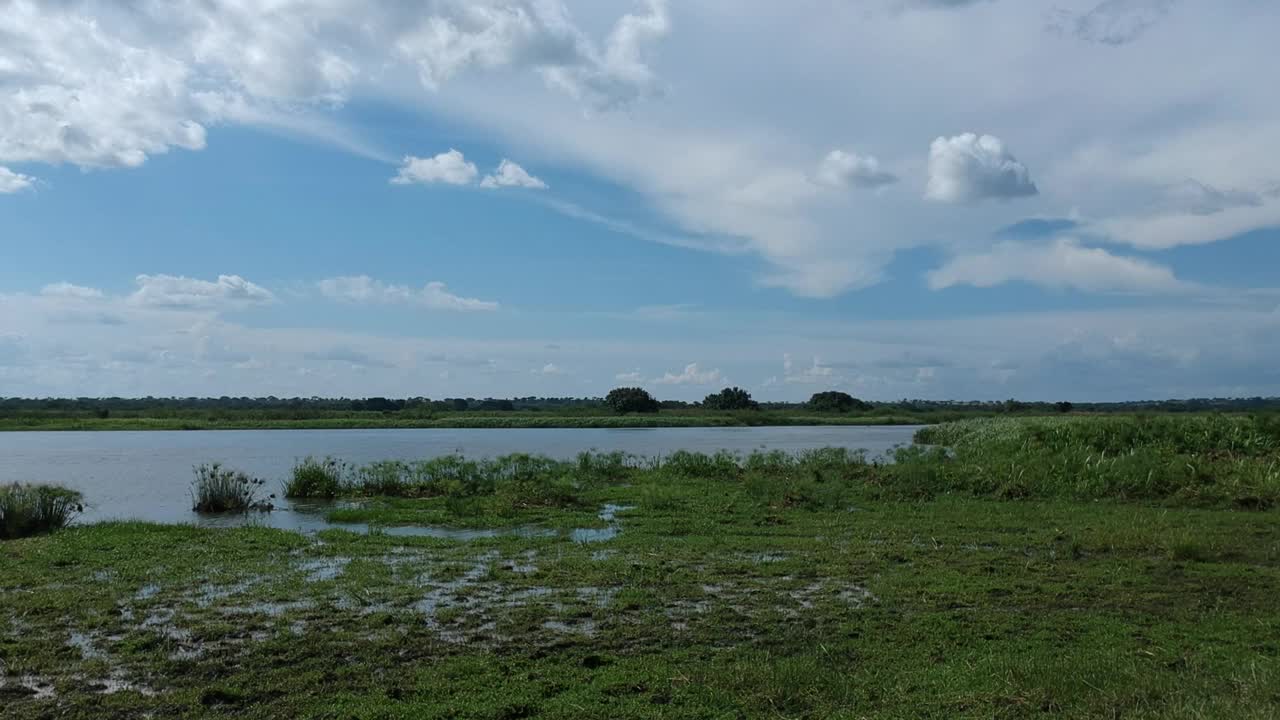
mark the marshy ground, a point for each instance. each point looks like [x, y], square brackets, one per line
[949, 585]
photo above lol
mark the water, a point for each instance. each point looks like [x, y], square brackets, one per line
[147, 475]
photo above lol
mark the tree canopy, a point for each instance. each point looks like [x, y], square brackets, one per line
[836, 401]
[631, 399]
[734, 398]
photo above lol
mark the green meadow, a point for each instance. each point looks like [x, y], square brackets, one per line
[1058, 567]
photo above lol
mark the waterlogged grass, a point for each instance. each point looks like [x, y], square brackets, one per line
[817, 585]
[511, 482]
[27, 510]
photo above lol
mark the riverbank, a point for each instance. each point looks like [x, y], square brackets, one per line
[456, 421]
[1031, 571]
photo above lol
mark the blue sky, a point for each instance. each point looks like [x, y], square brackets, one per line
[896, 198]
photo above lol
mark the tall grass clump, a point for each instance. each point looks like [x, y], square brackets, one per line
[315, 478]
[219, 489]
[1199, 460]
[27, 510]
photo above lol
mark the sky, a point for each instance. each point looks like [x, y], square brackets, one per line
[943, 199]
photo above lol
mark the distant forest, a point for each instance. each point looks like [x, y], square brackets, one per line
[316, 407]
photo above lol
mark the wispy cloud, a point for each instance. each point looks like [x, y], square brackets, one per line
[432, 296]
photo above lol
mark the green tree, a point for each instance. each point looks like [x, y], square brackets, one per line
[631, 399]
[734, 398]
[1064, 406]
[836, 401]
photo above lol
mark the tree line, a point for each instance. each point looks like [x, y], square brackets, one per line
[619, 400]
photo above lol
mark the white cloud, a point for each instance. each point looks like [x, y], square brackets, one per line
[692, 375]
[968, 168]
[815, 374]
[12, 182]
[174, 291]
[449, 167]
[549, 369]
[630, 377]
[433, 296]
[844, 169]
[106, 84]
[619, 74]
[1062, 263]
[510, 174]
[68, 290]
[1195, 218]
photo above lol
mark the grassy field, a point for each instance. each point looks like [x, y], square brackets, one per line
[1037, 568]
[455, 420]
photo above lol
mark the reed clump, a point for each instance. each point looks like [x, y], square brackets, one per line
[219, 489]
[27, 510]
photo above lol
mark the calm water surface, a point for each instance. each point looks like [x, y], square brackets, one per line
[147, 475]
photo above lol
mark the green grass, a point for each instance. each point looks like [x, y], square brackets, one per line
[818, 585]
[1205, 460]
[27, 510]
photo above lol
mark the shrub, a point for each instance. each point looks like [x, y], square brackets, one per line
[218, 489]
[27, 510]
[312, 478]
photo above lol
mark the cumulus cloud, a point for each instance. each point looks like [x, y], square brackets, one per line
[175, 291]
[433, 295]
[619, 74]
[1112, 22]
[548, 369]
[844, 169]
[453, 168]
[510, 174]
[12, 182]
[692, 375]
[630, 377]
[450, 168]
[1062, 263]
[106, 84]
[969, 168]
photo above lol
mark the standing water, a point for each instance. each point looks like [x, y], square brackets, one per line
[147, 475]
